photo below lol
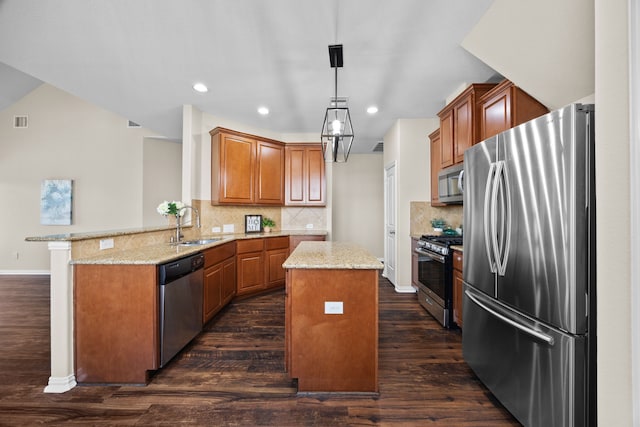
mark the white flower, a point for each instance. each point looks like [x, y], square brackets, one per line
[171, 208]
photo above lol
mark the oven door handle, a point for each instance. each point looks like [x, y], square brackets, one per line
[433, 256]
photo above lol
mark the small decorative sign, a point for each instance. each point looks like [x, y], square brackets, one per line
[55, 202]
[252, 223]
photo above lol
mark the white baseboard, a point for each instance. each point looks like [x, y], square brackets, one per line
[61, 384]
[24, 272]
[405, 289]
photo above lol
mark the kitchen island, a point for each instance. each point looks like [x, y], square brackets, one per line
[331, 317]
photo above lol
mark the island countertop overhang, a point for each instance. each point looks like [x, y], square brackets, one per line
[331, 255]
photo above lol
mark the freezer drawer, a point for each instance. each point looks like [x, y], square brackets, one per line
[538, 373]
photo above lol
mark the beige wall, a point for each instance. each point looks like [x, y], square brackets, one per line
[161, 168]
[358, 202]
[615, 404]
[67, 138]
[407, 144]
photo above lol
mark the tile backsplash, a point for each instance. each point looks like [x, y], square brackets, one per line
[422, 213]
[286, 218]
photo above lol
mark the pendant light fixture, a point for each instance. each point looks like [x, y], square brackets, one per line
[337, 131]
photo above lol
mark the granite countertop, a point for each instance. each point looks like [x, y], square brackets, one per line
[331, 255]
[165, 252]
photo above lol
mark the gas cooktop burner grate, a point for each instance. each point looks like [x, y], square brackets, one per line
[447, 240]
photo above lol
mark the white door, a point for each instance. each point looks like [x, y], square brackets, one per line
[390, 223]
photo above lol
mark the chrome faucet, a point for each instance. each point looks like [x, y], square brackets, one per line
[179, 235]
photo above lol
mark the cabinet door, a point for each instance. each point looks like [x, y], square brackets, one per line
[228, 280]
[414, 262]
[463, 128]
[496, 114]
[304, 175]
[250, 268]
[457, 288]
[213, 280]
[446, 139]
[316, 184]
[275, 273]
[435, 166]
[270, 173]
[236, 169]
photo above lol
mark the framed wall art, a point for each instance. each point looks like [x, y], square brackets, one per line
[55, 201]
[252, 223]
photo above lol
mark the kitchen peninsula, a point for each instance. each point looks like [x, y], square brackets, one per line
[331, 326]
[123, 263]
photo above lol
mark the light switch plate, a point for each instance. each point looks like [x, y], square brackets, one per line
[333, 307]
[309, 226]
[227, 228]
[215, 229]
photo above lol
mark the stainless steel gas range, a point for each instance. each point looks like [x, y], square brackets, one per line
[435, 268]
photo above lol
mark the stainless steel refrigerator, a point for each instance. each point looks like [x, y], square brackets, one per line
[529, 267]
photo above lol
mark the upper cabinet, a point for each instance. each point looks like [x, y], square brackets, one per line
[435, 166]
[506, 106]
[245, 169]
[304, 175]
[460, 124]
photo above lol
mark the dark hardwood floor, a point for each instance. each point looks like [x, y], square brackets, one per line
[233, 373]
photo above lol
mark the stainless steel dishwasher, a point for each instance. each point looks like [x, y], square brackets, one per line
[180, 304]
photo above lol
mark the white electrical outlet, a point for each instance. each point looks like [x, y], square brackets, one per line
[106, 244]
[228, 228]
[333, 307]
[309, 226]
[215, 229]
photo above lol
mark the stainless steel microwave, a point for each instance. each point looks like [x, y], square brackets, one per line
[450, 184]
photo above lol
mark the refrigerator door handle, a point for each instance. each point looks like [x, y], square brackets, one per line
[493, 231]
[527, 330]
[487, 215]
[503, 178]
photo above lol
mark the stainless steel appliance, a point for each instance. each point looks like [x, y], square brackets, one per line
[450, 184]
[529, 268]
[181, 297]
[435, 269]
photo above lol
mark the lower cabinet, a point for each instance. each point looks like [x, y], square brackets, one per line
[457, 288]
[219, 279]
[259, 264]
[115, 323]
[276, 253]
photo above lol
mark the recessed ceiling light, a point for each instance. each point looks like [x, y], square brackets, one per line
[263, 110]
[372, 110]
[200, 87]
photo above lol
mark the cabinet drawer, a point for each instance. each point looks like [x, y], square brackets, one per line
[277, 243]
[457, 260]
[249, 245]
[219, 253]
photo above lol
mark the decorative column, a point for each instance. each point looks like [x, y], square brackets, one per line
[62, 377]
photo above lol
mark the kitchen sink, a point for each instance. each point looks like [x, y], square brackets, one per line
[199, 241]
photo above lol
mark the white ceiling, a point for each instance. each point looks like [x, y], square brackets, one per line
[140, 58]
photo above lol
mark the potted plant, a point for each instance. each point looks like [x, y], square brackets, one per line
[267, 224]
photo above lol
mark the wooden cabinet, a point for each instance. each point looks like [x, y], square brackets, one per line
[506, 106]
[460, 124]
[294, 240]
[115, 323]
[259, 264]
[414, 263]
[304, 175]
[436, 167]
[250, 266]
[219, 279]
[457, 288]
[276, 253]
[269, 173]
[245, 169]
